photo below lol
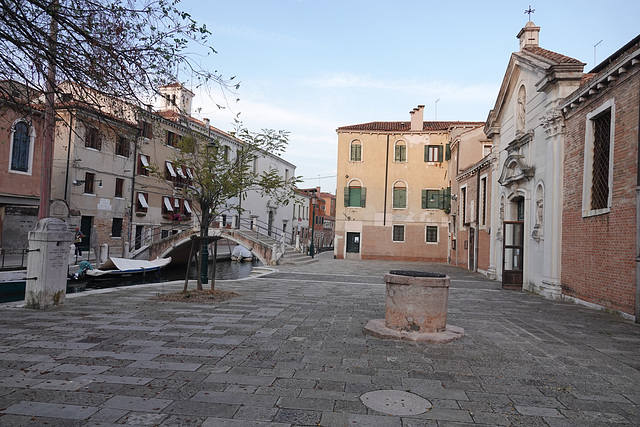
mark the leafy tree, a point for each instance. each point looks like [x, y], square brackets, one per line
[222, 175]
[120, 49]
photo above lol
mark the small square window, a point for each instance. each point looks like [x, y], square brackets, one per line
[89, 179]
[398, 233]
[122, 146]
[116, 227]
[432, 234]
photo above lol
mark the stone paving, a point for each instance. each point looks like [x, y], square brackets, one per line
[291, 351]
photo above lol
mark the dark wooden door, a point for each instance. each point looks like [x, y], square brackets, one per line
[512, 254]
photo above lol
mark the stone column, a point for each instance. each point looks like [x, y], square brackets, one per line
[48, 264]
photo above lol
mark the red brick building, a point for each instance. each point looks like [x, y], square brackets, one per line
[600, 210]
[21, 135]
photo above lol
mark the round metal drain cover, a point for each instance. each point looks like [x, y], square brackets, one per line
[396, 402]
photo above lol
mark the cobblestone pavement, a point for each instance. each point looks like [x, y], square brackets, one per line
[291, 351]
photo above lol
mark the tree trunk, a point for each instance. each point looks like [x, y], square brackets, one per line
[215, 260]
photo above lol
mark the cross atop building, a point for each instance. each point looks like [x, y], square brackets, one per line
[530, 11]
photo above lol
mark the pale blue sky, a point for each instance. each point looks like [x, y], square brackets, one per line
[310, 66]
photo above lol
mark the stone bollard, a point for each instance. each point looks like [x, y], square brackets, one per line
[48, 264]
[416, 308]
[104, 254]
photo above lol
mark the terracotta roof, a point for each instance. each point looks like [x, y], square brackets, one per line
[552, 56]
[586, 78]
[405, 126]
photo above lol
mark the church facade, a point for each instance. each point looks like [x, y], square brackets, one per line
[527, 130]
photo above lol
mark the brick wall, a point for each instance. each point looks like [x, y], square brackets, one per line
[598, 253]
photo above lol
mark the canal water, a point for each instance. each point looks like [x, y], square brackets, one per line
[225, 270]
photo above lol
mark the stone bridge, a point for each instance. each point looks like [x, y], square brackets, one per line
[178, 246]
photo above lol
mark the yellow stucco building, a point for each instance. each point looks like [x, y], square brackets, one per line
[393, 189]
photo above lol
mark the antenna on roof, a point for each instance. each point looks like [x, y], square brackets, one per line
[436, 113]
[594, 53]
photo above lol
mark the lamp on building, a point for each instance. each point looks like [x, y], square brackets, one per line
[80, 182]
[313, 223]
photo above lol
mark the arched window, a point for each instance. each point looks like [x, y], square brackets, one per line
[355, 194]
[399, 195]
[20, 147]
[356, 151]
[400, 152]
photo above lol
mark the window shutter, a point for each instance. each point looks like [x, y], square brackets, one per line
[447, 152]
[346, 196]
[440, 153]
[363, 197]
[426, 153]
[424, 199]
[441, 198]
[447, 199]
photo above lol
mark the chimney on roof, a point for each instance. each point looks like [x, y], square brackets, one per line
[529, 35]
[417, 118]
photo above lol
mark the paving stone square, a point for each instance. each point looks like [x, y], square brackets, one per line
[290, 350]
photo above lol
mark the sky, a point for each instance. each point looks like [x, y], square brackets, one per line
[311, 66]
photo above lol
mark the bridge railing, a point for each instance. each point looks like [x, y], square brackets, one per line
[261, 228]
[155, 236]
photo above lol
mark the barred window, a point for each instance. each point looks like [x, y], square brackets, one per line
[600, 168]
[398, 233]
[432, 234]
[598, 164]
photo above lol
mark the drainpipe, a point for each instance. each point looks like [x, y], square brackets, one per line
[476, 242]
[386, 177]
[66, 175]
[637, 311]
[133, 185]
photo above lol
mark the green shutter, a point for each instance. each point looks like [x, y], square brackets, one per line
[363, 197]
[346, 196]
[424, 199]
[440, 153]
[447, 152]
[426, 153]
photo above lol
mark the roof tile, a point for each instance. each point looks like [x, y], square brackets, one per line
[405, 126]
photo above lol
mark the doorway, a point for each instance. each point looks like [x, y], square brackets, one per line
[139, 233]
[353, 243]
[513, 255]
[85, 227]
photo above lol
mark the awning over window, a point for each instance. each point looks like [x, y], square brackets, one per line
[145, 160]
[179, 170]
[170, 169]
[167, 203]
[187, 207]
[142, 200]
[176, 203]
[189, 173]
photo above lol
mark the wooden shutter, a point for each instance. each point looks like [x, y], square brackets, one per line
[424, 199]
[440, 149]
[346, 196]
[363, 197]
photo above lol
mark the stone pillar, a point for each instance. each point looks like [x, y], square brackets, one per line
[104, 253]
[416, 309]
[48, 264]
